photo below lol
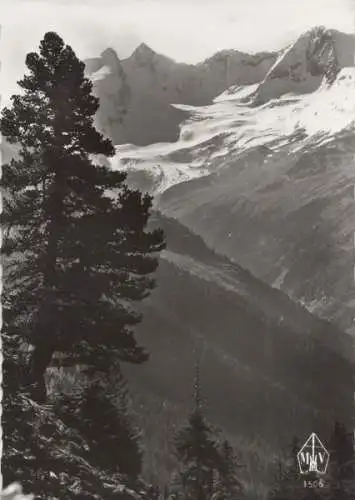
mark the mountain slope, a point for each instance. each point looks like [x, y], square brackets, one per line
[287, 219]
[266, 353]
[268, 186]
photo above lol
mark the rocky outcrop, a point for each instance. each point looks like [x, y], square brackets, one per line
[49, 459]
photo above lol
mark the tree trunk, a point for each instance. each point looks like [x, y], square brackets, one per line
[40, 359]
[43, 351]
[56, 214]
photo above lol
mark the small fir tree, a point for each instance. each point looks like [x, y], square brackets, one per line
[101, 412]
[197, 452]
[114, 440]
[228, 485]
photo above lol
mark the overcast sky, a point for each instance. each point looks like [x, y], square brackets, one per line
[187, 30]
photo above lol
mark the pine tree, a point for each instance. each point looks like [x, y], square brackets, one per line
[78, 255]
[114, 440]
[101, 413]
[128, 435]
[197, 452]
[228, 486]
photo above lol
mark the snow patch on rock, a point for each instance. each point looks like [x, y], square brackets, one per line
[100, 74]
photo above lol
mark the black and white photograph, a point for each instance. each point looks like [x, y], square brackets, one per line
[178, 249]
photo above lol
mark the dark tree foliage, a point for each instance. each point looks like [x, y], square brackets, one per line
[109, 425]
[197, 452]
[100, 411]
[228, 485]
[208, 468]
[114, 441]
[77, 252]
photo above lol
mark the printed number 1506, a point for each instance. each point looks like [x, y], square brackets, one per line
[316, 483]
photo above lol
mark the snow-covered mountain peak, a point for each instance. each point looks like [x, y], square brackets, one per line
[100, 74]
[316, 56]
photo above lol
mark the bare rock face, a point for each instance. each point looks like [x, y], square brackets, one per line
[110, 85]
[231, 67]
[136, 93]
[318, 55]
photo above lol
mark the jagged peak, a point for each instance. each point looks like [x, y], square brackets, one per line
[110, 58]
[145, 54]
[109, 52]
[315, 30]
[143, 47]
[313, 59]
[143, 50]
[320, 31]
[324, 30]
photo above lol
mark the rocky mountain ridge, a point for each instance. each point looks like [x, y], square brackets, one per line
[137, 93]
[317, 56]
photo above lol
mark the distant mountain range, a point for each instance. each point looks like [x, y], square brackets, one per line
[136, 93]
